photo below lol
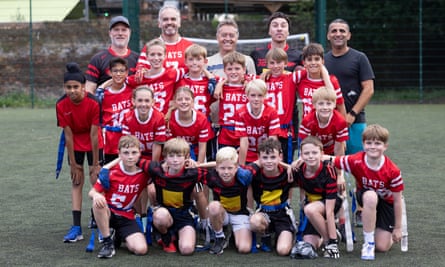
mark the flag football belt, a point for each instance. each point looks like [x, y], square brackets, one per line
[273, 208]
[230, 128]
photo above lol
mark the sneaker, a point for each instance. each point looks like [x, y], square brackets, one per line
[341, 233]
[92, 223]
[266, 243]
[358, 219]
[107, 250]
[368, 251]
[218, 246]
[74, 235]
[170, 248]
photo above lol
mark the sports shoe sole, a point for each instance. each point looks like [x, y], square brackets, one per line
[78, 238]
[107, 256]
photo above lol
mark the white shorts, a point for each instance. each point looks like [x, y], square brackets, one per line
[238, 221]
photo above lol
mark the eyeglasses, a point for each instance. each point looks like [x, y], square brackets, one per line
[119, 71]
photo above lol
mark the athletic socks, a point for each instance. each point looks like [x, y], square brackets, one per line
[369, 237]
[76, 217]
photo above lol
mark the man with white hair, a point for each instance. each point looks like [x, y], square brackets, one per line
[98, 69]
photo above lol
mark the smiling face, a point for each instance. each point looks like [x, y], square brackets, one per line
[169, 22]
[119, 73]
[234, 72]
[311, 155]
[270, 160]
[374, 148]
[129, 156]
[156, 56]
[184, 101]
[324, 109]
[195, 64]
[227, 37]
[226, 170]
[313, 65]
[175, 162]
[276, 67]
[143, 102]
[338, 35]
[120, 35]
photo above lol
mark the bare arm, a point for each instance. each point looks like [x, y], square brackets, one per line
[202, 150]
[397, 231]
[91, 87]
[156, 151]
[95, 168]
[242, 153]
[363, 100]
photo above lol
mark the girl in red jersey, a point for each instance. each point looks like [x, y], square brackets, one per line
[78, 113]
[255, 121]
[188, 123]
[161, 80]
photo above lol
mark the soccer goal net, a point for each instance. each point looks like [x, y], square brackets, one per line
[246, 46]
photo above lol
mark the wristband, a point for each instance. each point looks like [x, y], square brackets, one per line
[352, 112]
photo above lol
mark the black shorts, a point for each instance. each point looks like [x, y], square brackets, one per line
[124, 227]
[279, 222]
[80, 157]
[181, 218]
[110, 157]
[385, 212]
[310, 229]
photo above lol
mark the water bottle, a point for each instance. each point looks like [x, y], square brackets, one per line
[404, 242]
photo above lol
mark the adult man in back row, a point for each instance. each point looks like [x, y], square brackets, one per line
[98, 69]
[278, 25]
[169, 21]
[227, 36]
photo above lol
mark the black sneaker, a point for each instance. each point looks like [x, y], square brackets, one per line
[107, 250]
[218, 246]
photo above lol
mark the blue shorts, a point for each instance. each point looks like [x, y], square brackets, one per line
[355, 143]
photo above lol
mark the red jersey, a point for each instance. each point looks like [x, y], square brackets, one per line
[197, 131]
[256, 128]
[149, 131]
[163, 86]
[335, 131]
[201, 93]
[125, 188]
[80, 117]
[307, 86]
[384, 180]
[174, 54]
[114, 106]
[232, 100]
[281, 92]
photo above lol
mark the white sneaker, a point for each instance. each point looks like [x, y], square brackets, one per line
[368, 251]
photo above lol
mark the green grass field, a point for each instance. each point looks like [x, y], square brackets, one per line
[35, 213]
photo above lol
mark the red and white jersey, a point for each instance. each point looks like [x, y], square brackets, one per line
[335, 131]
[162, 84]
[80, 117]
[233, 99]
[125, 188]
[114, 106]
[281, 94]
[198, 130]
[307, 86]
[149, 131]
[256, 128]
[201, 93]
[384, 180]
[174, 54]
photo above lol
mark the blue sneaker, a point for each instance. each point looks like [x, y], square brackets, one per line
[74, 235]
[266, 243]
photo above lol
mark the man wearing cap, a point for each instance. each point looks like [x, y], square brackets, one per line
[278, 25]
[98, 68]
[169, 21]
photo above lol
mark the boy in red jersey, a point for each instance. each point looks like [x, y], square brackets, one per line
[116, 103]
[174, 189]
[379, 191]
[197, 78]
[232, 99]
[281, 94]
[315, 75]
[255, 122]
[188, 123]
[78, 113]
[161, 80]
[113, 198]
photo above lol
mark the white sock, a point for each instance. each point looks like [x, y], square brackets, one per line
[369, 237]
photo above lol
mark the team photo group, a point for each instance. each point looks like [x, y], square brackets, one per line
[261, 153]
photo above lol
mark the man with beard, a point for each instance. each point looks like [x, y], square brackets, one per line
[98, 69]
[169, 22]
